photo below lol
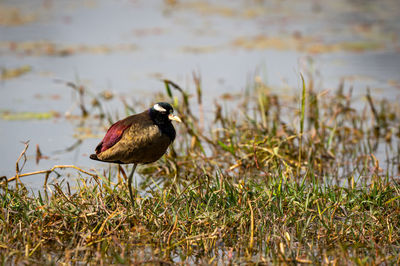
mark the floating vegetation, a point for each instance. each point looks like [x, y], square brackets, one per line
[7, 115]
[11, 16]
[307, 44]
[14, 72]
[41, 48]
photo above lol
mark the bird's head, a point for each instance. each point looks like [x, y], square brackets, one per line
[163, 112]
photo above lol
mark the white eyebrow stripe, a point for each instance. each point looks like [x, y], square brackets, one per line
[159, 108]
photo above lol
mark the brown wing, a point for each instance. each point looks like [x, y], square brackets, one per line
[141, 142]
[114, 134]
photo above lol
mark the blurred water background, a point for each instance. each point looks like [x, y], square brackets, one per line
[123, 48]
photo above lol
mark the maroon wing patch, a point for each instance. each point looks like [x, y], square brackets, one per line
[113, 135]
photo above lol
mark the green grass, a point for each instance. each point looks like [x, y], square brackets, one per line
[249, 188]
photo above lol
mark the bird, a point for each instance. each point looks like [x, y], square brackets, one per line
[138, 139]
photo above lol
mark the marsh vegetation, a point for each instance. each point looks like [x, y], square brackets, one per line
[306, 179]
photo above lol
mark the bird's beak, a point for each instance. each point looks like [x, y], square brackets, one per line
[175, 118]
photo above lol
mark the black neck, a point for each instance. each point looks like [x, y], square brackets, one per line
[163, 123]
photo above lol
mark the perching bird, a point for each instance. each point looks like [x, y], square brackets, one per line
[141, 138]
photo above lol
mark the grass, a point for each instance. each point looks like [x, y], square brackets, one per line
[250, 188]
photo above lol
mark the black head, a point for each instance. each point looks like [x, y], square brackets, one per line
[162, 113]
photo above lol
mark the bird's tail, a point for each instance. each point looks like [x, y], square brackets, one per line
[94, 157]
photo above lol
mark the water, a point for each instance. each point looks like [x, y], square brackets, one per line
[126, 46]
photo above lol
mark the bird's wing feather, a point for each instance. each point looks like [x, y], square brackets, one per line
[114, 134]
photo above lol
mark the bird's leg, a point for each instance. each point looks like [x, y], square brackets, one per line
[130, 184]
[119, 174]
